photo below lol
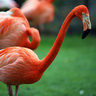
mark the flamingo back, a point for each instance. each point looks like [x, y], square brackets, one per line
[18, 65]
[13, 27]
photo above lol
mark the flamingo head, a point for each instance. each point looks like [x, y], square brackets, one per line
[83, 14]
[16, 12]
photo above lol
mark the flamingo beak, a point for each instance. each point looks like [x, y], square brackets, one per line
[86, 25]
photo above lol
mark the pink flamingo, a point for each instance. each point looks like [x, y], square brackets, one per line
[15, 30]
[8, 4]
[38, 11]
[20, 65]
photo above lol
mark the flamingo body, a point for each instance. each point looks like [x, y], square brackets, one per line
[18, 59]
[38, 11]
[8, 4]
[20, 65]
[15, 30]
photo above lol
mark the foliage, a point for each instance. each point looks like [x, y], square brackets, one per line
[59, 3]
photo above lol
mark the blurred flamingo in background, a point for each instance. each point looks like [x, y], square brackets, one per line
[51, 1]
[8, 4]
[15, 30]
[38, 12]
[20, 65]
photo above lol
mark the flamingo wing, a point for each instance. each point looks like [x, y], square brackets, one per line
[10, 20]
[16, 66]
[8, 56]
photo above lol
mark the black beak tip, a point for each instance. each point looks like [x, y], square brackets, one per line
[85, 33]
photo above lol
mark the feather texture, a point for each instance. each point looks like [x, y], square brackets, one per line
[15, 30]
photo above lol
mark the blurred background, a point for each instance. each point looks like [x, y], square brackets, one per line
[62, 8]
[73, 72]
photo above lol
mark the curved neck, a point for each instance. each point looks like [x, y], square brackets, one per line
[35, 38]
[54, 50]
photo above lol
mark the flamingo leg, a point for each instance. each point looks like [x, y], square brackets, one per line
[16, 91]
[10, 90]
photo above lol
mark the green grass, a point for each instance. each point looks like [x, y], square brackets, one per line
[73, 70]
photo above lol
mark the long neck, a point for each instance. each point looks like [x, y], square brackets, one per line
[35, 38]
[58, 42]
